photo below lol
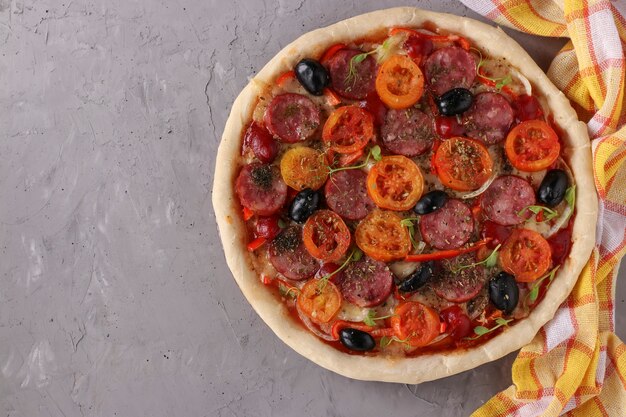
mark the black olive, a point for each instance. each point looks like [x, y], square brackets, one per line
[304, 204]
[553, 187]
[430, 202]
[312, 75]
[503, 292]
[418, 278]
[455, 101]
[355, 339]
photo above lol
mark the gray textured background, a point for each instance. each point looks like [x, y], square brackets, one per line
[114, 294]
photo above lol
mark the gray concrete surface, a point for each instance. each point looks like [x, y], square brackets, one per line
[115, 299]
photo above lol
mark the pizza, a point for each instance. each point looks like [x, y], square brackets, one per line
[404, 195]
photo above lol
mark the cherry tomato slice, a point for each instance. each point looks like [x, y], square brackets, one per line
[527, 108]
[348, 129]
[395, 183]
[463, 164]
[382, 237]
[399, 82]
[458, 324]
[303, 167]
[319, 301]
[416, 323]
[326, 236]
[532, 146]
[448, 126]
[267, 227]
[526, 255]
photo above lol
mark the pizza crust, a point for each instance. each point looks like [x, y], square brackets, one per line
[430, 366]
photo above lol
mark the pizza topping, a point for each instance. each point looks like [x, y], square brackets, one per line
[365, 283]
[261, 189]
[303, 167]
[267, 227]
[346, 194]
[357, 340]
[399, 82]
[445, 254]
[290, 257]
[417, 279]
[326, 236]
[503, 292]
[351, 79]
[415, 323]
[505, 198]
[261, 142]
[454, 101]
[489, 118]
[407, 132]
[462, 164]
[458, 324]
[304, 205]
[448, 68]
[418, 47]
[395, 183]
[525, 254]
[553, 186]
[292, 117]
[348, 129]
[312, 76]
[449, 227]
[381, 236]
[319, 302]
[532, 146]
[448, 127]
[430, 202]
[459, 285]
[527, 108]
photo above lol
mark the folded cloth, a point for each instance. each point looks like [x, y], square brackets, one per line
[576, 365]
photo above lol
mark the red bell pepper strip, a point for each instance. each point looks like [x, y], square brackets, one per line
[286, 288]
[256, 244]
[284, 77]
[331, 51]
[331, 97]
[374, 331]
[247, 214]
[463, 43]
[445, 254]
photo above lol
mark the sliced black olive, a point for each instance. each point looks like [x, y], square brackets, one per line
[430, 202]
[355, 339]
[418, 278]
[503, 292]
[553, 187]
[304, 204]
[455, 101]
[312, 75]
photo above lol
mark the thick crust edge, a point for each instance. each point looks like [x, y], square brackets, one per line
[431, 366]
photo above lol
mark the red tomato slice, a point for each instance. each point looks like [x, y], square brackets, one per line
[395, 183]
[382, 237]
[416, 323]
[532, 146]
[348, 129]
[526, 255]
[463, 164]
[400, 82]
[303, 167]
[319, 301]
[326, 236]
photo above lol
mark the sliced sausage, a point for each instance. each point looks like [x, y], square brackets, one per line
[448, 68]
[505, 198]
[346, 194]
[290, 257]
[407, 132]
[457, 285]
[366, 282]
[261, 188]
[449, 227]
[355, 82]
[489, 118]
[292, 117]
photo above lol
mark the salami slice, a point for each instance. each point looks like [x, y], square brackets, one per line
[365, 283]
[292, 117]
[290, 257]
[448, 68]
[505, 198]
[261, 188]
[459, 285]
[351, 79]
[489, 118]
[346, 194]
[407, 132]
[449, 227]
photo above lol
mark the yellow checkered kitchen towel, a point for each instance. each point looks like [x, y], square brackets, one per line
[576, 365]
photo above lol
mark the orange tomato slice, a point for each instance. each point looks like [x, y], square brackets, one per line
[348, 129]
[399, 82]
[319, 301]
[532, 146]
[416, 323]
[303, 167]
[382, 237]
[462, 164]
[395, 183]
[326, 236]
[526, 255]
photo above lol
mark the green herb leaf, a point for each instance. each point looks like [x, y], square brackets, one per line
[357, 254]
[371, 152]
[385, 341]
[481, 330]
[504, 81]
[281, 223]
[534, 293]
[376, 153]
[490, 261]
[357, 59]
[369, 319]
[570, 196]
[548, 215]
[502, 321]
